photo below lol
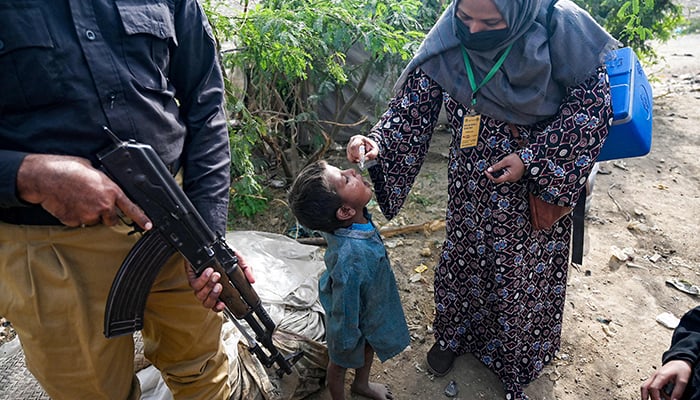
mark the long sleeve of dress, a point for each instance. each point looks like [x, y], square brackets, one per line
[403, 134]
[561, 151]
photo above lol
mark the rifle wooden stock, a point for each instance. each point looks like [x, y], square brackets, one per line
[177, 226]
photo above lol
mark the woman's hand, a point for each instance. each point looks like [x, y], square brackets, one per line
[371, 150]
[207, 287]
[509, 169]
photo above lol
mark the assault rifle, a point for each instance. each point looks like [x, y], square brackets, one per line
[177, 226]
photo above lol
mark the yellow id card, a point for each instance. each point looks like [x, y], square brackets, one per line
[470, 131]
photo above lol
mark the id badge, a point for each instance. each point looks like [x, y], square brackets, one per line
[470, 130]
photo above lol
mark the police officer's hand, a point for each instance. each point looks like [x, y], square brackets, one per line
[206, 286]
[75, 192]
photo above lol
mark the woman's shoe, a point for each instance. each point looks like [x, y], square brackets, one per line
[440, 362]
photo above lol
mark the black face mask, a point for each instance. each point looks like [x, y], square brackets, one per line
[480, 41]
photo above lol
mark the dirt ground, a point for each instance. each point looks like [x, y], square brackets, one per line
[648, 207]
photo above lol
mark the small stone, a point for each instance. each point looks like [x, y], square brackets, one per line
[451, 389]
[637, 226]
[668, 320]
[617, 258]
[619, 254]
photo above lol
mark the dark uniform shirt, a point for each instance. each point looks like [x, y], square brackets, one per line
[148, 70]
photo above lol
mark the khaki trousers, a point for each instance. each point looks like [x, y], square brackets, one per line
[54, 283]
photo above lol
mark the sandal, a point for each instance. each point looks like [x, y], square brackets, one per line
[440, 362]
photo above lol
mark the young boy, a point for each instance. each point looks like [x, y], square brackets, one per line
[358, 289]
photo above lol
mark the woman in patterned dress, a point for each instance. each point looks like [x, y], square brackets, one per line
[527, 100]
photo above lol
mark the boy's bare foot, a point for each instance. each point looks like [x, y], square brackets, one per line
[375, 391]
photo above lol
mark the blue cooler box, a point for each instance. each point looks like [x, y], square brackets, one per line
[630, 133]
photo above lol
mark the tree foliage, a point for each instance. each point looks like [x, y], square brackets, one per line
[283, 57]
[636, 23]
[292, 54]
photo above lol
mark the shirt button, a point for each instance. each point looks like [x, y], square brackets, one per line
[90, 34]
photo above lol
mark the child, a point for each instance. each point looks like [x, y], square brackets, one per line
[358, 289]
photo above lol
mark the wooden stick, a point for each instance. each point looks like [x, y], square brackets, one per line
[427, 228]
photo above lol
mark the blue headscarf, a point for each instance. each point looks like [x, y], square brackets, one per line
[552, 50]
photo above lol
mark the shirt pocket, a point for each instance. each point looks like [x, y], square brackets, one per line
[150, 31]
[30, 71]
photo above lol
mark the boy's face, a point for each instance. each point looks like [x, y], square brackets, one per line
[350, 186]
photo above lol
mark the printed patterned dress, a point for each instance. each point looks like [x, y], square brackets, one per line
[499, 285]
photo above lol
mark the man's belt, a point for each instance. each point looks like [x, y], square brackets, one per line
[31, 215]
[36, 215]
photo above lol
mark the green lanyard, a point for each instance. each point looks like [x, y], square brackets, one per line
[488, 76]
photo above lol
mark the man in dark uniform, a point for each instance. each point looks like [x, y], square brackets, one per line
[149, 71]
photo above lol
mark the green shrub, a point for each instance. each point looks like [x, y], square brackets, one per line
[636, 23]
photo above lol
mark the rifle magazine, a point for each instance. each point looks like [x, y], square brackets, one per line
[132, 284]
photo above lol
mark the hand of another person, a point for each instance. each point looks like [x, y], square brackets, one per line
[207, 287]
[75, 192]
[353, 148]
[509, 169]
[676, 372]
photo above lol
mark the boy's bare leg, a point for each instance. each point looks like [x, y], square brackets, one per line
[363, 387]
[335, 379]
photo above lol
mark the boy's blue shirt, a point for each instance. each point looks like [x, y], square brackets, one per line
[359, 295]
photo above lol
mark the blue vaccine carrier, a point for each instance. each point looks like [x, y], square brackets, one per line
[630, 133]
